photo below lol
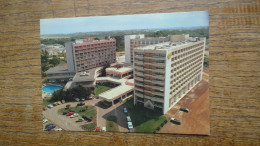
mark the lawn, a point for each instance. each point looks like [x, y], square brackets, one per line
[100, 89]
[144, 120]
[89, 127]
[111, 124]
[46, 102]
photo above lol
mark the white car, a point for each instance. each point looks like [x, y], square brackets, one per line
[83, 99]
[50, 106]
[76, 114]
[128, 119]
[104, 129]
[44, 121]
[59, 129]
[130, 125]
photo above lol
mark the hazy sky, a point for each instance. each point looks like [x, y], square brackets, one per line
[124, 22]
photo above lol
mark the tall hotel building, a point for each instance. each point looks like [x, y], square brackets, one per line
[86, 54]
[132, 41]
[165, 72]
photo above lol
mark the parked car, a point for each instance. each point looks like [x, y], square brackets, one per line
[49, 126]
[98, 129]
[59, 129]
[74, 115]
[44, 121]
[58, 103]
[125, 110]
[130, 125]
[44, 108]
[175, 121]
[50, 106]
[104, 129]
[131, 130]
[70, 113]
[81, 104]
[184, 109]
[79, 120]
[54, 104]
[82, 99]
[128, 119]
[77, 99]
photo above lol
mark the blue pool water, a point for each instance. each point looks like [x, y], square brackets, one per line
[51, 88]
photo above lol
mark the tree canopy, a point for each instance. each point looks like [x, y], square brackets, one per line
[70, 94]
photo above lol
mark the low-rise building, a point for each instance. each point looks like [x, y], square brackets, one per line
[59, 73]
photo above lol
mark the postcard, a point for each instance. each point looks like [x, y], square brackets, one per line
[142, 73]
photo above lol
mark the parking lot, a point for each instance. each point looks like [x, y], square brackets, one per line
[69, 124]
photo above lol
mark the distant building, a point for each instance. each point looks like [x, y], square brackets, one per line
[133, 41]
[165, 72]
[89, 53]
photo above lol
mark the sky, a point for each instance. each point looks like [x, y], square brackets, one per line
[124, 22]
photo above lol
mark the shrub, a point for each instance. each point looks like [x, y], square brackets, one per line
[165, 121]
[158, 128]
[89, 127]
[64, 113]
[162, 124]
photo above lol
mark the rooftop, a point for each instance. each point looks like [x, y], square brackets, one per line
[120, 70]
[94, 42]
[85, 76]
[111, 79]
[167, 45]
[116, 92]
[59, 69]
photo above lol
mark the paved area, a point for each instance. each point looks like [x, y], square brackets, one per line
[69, 124]
[116, 110]
[196, 121]
[65, 122]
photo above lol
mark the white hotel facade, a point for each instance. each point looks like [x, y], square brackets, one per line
[165, 72]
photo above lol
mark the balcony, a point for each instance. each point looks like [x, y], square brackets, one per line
[154, 98]
[139, 78]
[139, 67]
[139, 94]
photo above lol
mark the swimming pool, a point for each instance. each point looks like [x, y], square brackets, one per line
[51, 88]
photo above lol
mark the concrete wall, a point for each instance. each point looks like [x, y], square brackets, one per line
[128, 46]
[70, 56]
[167, 82]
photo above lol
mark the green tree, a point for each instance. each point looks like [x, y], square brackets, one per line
[80, 92]
[54, 61]
[119, 43]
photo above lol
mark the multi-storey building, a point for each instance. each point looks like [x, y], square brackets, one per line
[165, 72]
[133, 41]
[89, 53]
